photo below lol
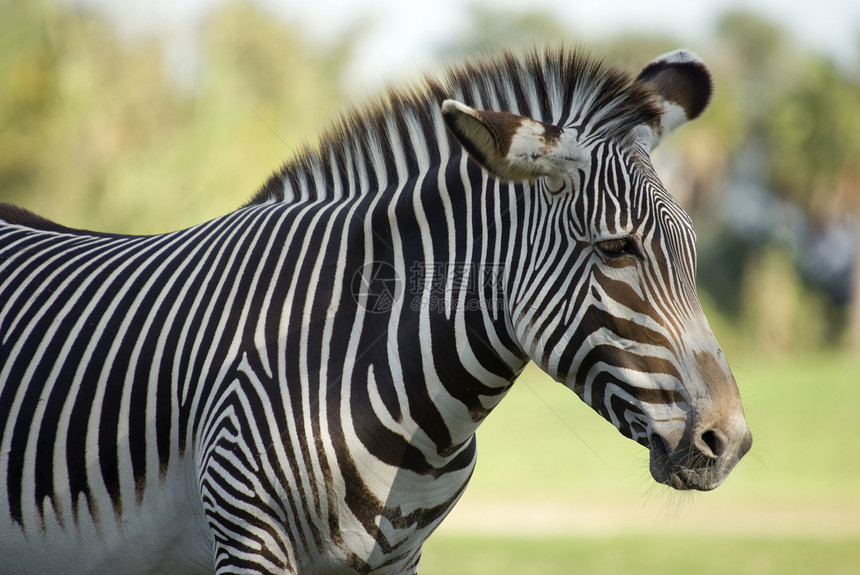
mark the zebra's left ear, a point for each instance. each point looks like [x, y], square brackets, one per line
[684, 82]
[511, 147]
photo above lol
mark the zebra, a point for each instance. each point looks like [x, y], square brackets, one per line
[294, 387]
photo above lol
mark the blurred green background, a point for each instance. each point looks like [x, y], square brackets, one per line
[103, 130]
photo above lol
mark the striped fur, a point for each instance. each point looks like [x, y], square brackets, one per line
[294, 387]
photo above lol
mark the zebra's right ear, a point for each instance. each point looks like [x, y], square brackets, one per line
[511, 147]
[684, 83]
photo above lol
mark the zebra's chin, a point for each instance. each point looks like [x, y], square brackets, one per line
[694, 480]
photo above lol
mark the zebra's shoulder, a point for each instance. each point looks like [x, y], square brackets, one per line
[20, 217]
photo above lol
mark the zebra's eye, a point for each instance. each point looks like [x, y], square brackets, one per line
[617, 248]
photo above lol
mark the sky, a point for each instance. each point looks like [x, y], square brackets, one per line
[402, 34]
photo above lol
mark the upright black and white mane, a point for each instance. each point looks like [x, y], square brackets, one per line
[563, 87]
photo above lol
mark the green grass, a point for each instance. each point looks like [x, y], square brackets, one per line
[804, 416]
[558, 490]
[639, 555]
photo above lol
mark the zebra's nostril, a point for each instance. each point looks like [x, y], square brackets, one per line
[711, 444]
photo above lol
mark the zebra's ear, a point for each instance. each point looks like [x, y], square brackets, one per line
[684, 82]
[511, 147]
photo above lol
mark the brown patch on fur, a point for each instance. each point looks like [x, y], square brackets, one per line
[709, 367]
[551, 135]
[724, 395]
[503, 126]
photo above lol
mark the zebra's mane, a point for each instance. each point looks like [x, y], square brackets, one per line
[559, 86]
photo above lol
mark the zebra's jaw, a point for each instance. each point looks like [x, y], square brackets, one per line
[692, 421]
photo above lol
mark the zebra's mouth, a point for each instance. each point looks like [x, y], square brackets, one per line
[687, 468]
[668, 468]
[686, 479]
[663, 469]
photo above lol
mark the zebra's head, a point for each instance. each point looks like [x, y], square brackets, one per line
[604, 299]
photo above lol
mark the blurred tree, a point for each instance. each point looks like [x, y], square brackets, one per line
[759, 55]
[781, 316]
[813, 142]
[492, 29]
[799, 134]
[75, 103]
[28, 92]
[263, 90]
[96, 133]
[115, 105]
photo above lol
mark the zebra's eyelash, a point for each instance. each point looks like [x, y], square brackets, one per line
[618, 248]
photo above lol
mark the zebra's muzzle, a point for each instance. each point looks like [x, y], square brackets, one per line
[699, 460]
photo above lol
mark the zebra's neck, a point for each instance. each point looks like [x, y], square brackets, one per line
[427, 244]
[395, 203]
